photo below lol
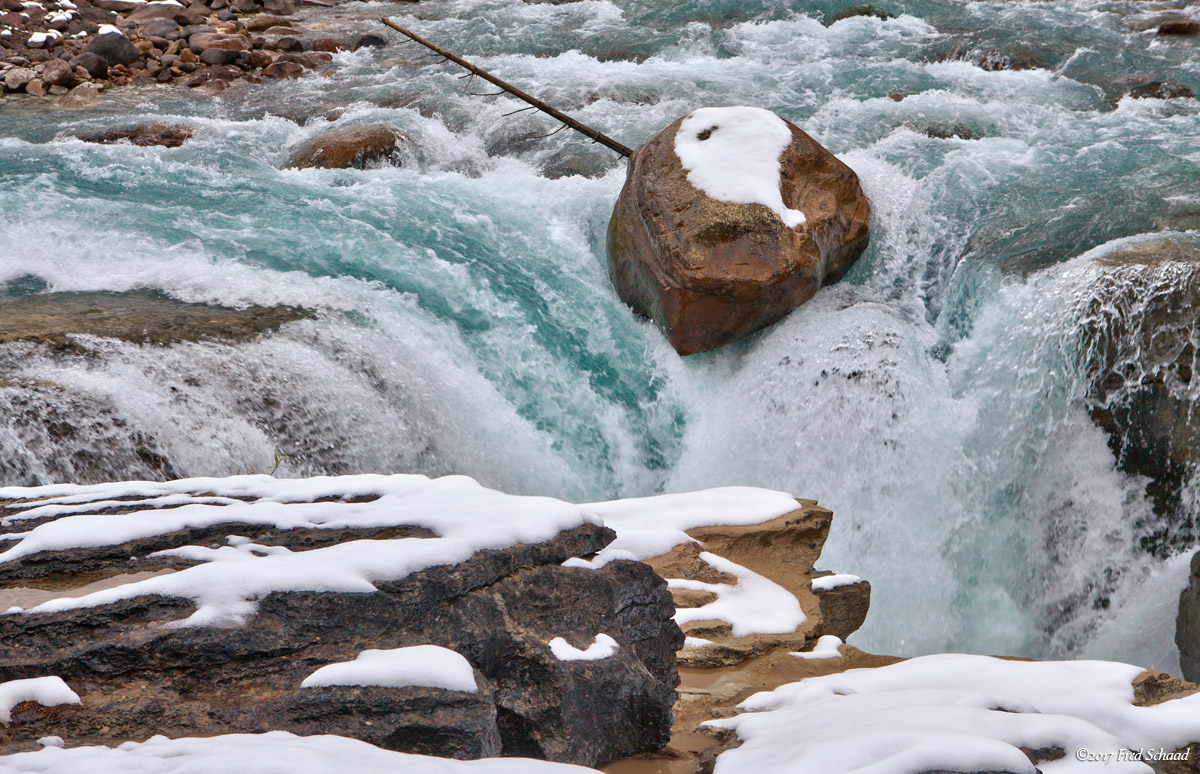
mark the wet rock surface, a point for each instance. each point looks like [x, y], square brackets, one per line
[164, 135]
[349, 147]
[1187, 624]
[140, 317]
[1140, 350]
[710, 272]
[137, 676]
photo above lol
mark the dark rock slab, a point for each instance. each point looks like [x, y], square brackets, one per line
[499, 609]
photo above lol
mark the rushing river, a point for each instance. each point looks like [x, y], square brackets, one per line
[468, 324]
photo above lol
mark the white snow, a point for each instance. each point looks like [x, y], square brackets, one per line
[425, 666]
[732, 154]
[46, 691]
[277, 752]
[959, 713]
[696, 642]
[52, 741]
[464, 517]
[754, 605]
[651, 526]
[826, 647]
[602, 646]
[108, 29]
[39, 39]
[830, 582]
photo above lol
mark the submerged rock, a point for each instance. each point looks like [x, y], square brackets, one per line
[348, 147]
[141, 317]
[756, 219]
[165, 135]
[501, 608]
[1187, 624]
[1140, 352]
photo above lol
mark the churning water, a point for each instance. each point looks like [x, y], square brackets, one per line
[932, 399]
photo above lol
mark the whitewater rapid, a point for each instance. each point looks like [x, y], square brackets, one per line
[467, 324]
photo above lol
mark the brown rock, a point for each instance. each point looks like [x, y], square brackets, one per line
[710, 272]
[1179, 27]
[782, 550]
[329, 45]
[354, 146]
[141, 317]
[58, 73]
[36, 87]
[202, 41]
[264, 22]
[83, 95]
[164, 135]
[260, 59]
[309, 60]
[283, 70]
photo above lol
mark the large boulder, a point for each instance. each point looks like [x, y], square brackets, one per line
[112, 46]
[1139, 351]
[1187, 625]
[347, 147]
[234, 669]
[729, 219]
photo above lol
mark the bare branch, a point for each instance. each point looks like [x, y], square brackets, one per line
[578, 126]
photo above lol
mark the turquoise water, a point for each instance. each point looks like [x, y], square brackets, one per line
[468, 325]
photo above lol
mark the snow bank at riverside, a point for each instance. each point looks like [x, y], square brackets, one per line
[47, 691]
[960, 713]
[422, 666]
[272, 753]
[732, 154]
[463, 516]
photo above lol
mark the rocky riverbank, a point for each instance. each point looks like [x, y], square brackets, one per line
[433, 616]
[73, 49]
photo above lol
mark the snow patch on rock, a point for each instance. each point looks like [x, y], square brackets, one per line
[602, 646]
[422, 666]
[754, 605]
[732, 155]
[46, 691]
